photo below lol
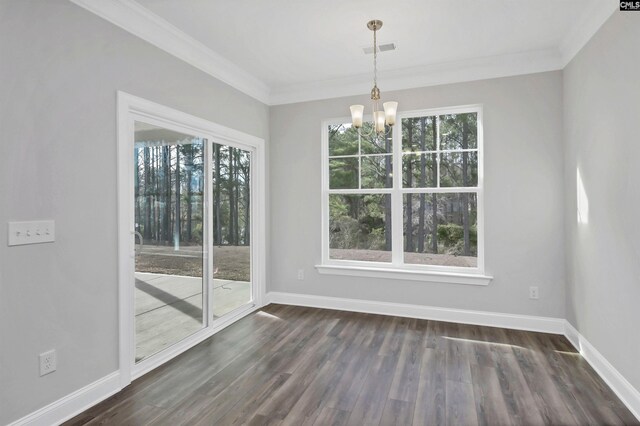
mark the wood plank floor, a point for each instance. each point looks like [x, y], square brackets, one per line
[288, 365]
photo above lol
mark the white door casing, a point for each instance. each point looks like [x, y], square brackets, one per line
[130, 109]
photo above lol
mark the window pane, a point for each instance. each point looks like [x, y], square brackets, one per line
[360, 227]
[343, 173]
[441, 229]
[419, 170]
[459, 169]
[458, 131]
[419, 134]
[343, 140]
[168, 209]
[231, 220]
[375, 144]
[377, 171]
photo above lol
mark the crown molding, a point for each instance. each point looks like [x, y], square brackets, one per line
[423, 76]
[141, 22]
[587, 25]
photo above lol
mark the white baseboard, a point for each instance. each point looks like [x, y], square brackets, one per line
[491, 319]
[572, 335]
[73, 404]
[612, 377]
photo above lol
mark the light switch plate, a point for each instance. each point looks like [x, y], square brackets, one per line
[34, 232]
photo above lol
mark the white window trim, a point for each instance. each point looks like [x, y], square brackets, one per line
[397, 269]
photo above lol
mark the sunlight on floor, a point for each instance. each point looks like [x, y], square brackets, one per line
[268, 315]
[482, 342]
[568, 353]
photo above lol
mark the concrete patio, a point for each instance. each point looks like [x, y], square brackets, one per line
[168, 308]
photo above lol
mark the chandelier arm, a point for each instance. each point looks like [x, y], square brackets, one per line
[366, 135]
[373, 131]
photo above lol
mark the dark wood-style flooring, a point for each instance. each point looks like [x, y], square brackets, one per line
[286, 365]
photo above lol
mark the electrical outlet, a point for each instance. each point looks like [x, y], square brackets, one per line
[533, 292]
[48, 362]
[301, 274]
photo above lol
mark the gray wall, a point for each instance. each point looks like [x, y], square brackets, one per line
[602, 140]
[60, 68]
[523, 198]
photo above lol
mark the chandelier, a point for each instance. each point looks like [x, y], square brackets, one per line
[380, 118]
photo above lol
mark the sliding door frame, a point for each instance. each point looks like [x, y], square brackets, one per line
[130, 109]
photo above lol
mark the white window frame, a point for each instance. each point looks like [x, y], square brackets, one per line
[397, 269]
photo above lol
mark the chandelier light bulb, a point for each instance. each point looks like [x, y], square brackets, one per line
[378, 119]
[390, 109]
[357, 113]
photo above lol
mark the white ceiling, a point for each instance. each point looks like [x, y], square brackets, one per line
[299, 50]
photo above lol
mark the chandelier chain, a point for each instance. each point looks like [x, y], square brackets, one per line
[375, 58]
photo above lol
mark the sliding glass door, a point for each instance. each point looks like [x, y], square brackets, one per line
[191, 231]
[192, 219]
[231, 221]
[169, 224]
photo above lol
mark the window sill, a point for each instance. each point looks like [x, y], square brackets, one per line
[402, 274]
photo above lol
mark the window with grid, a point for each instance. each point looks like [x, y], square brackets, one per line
[409, 199]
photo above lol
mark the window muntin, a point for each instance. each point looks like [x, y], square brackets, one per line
[357, 161]
[444, 148]
[435, 199]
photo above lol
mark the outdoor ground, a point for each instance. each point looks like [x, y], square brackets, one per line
[169, 308]
[232, 262]
[412, 258]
